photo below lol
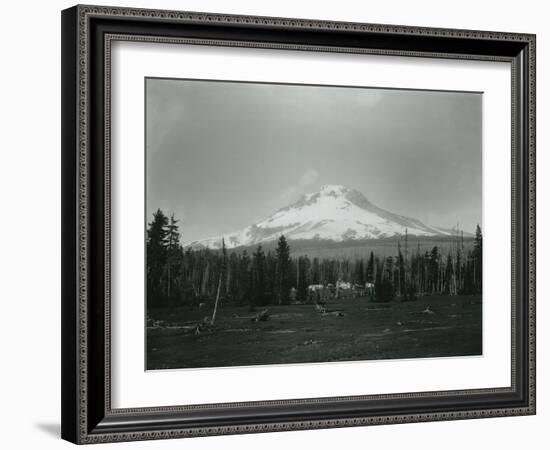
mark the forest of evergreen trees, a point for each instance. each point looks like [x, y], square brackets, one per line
[178, 276]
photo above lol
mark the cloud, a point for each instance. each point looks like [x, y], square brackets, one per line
[309, 177]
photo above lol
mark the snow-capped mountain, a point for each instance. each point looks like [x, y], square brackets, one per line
[335, 213]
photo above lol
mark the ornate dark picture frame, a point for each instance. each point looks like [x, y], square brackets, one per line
[87, 34]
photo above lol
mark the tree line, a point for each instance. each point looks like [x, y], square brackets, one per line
[187, 276]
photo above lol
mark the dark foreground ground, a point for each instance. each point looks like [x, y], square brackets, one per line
[300, 334]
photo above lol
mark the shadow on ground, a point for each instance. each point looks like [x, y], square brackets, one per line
[52, 429]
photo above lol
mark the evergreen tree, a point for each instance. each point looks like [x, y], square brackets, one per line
[223, 269]
[205, 285]
[478, 260]
[221, 283]
[315, 272]
[271, 271]
[370, 269]
[245, 291]
[232, 285]
[173, 256]
[433, 270]
[283, 272]
[258, 277]
[172, 234]
[400, 271]
[450, 276]
[360, 272]
[468, 287]
[157, 253]
[302, 279]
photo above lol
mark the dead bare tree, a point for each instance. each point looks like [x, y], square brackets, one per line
[222, 271]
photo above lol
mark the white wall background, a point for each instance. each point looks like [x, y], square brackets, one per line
[30, 223]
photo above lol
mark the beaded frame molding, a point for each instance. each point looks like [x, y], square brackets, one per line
[87, 35]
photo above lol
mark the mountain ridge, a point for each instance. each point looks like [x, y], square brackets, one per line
[334, 213]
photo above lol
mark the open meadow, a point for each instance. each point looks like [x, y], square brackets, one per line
[348, 330]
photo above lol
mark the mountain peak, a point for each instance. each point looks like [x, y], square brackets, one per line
[333, 189]
[334, 213]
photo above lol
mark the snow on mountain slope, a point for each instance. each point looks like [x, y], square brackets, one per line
[334, 213]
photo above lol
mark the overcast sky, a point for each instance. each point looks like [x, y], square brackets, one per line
[223, 155]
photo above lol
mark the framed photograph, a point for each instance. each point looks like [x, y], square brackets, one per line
[278, 224]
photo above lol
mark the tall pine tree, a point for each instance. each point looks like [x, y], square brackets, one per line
[258, 277]
[478, 260]
[157, 253]
[283, 272]
[173, 256]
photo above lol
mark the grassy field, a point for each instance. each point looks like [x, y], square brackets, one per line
[354, 329]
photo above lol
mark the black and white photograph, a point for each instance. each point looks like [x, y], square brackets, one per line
[278, 218]
[292, 223]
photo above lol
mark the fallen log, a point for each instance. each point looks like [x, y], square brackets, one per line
[205, 325]
[262, 316]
